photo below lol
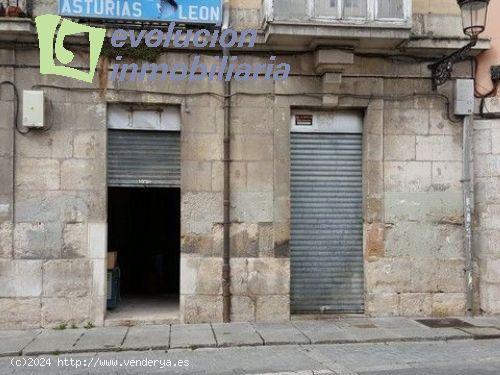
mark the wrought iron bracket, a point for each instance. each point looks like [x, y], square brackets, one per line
[441, 69]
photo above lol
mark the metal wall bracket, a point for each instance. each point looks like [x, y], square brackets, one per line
[495, 73]
[441, 69]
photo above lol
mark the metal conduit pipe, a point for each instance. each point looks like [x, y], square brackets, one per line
[468, 200]
[226, 268]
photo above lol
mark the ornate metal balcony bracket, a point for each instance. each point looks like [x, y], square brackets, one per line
[441, 69]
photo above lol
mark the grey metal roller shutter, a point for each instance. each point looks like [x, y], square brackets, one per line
[326, 237]
[143, 158]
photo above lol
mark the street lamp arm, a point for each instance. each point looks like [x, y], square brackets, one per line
[441, 69]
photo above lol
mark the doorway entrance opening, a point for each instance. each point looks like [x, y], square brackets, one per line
[144, 180]
[144, 231]
[327, 213]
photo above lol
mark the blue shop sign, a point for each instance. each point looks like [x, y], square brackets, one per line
[183, 11]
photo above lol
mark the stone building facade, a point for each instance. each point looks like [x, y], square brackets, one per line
[486, 174]
[53, 187]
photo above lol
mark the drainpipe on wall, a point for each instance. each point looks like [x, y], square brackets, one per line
[468, 199]
[226, 268]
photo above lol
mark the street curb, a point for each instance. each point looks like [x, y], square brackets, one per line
[166, 348]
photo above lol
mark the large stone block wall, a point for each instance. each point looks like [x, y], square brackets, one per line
[260, 267]
[413, 203]
[419, 268]
[414, 257]
[259, 212]
[437, 19]
[487, 212]
[412, 207]
[202, 218]
[53, 267]
[7, 108]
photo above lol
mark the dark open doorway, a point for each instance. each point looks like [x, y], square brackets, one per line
[144, 230]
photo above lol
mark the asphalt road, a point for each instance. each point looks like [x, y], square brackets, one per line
[477, 357]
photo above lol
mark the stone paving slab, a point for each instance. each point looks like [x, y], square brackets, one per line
[236, 334]
[372, 335]
[280, 333]
[431, 334]
[320, 332]
[324, 332]
[446, 358]
[101, 339]
[395, 323]
[192, 336]
[54, 341]
[483, 332]
[13, 342]
[298, 332]
[483, 321]
[353, 322]
[147, 338]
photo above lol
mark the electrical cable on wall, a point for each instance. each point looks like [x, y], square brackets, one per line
[493, 92]
[15, 128]
[16, 108]
[406, 97]
[490, 94]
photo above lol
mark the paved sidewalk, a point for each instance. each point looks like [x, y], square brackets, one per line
[297, 332]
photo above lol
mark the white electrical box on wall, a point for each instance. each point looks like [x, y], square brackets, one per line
[464, 97]
[33, 109]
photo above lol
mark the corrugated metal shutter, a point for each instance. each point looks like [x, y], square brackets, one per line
[326, 237]
[144, 158]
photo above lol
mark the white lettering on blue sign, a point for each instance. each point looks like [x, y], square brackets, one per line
[198, 13]
[187, 11]
[101, 8]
